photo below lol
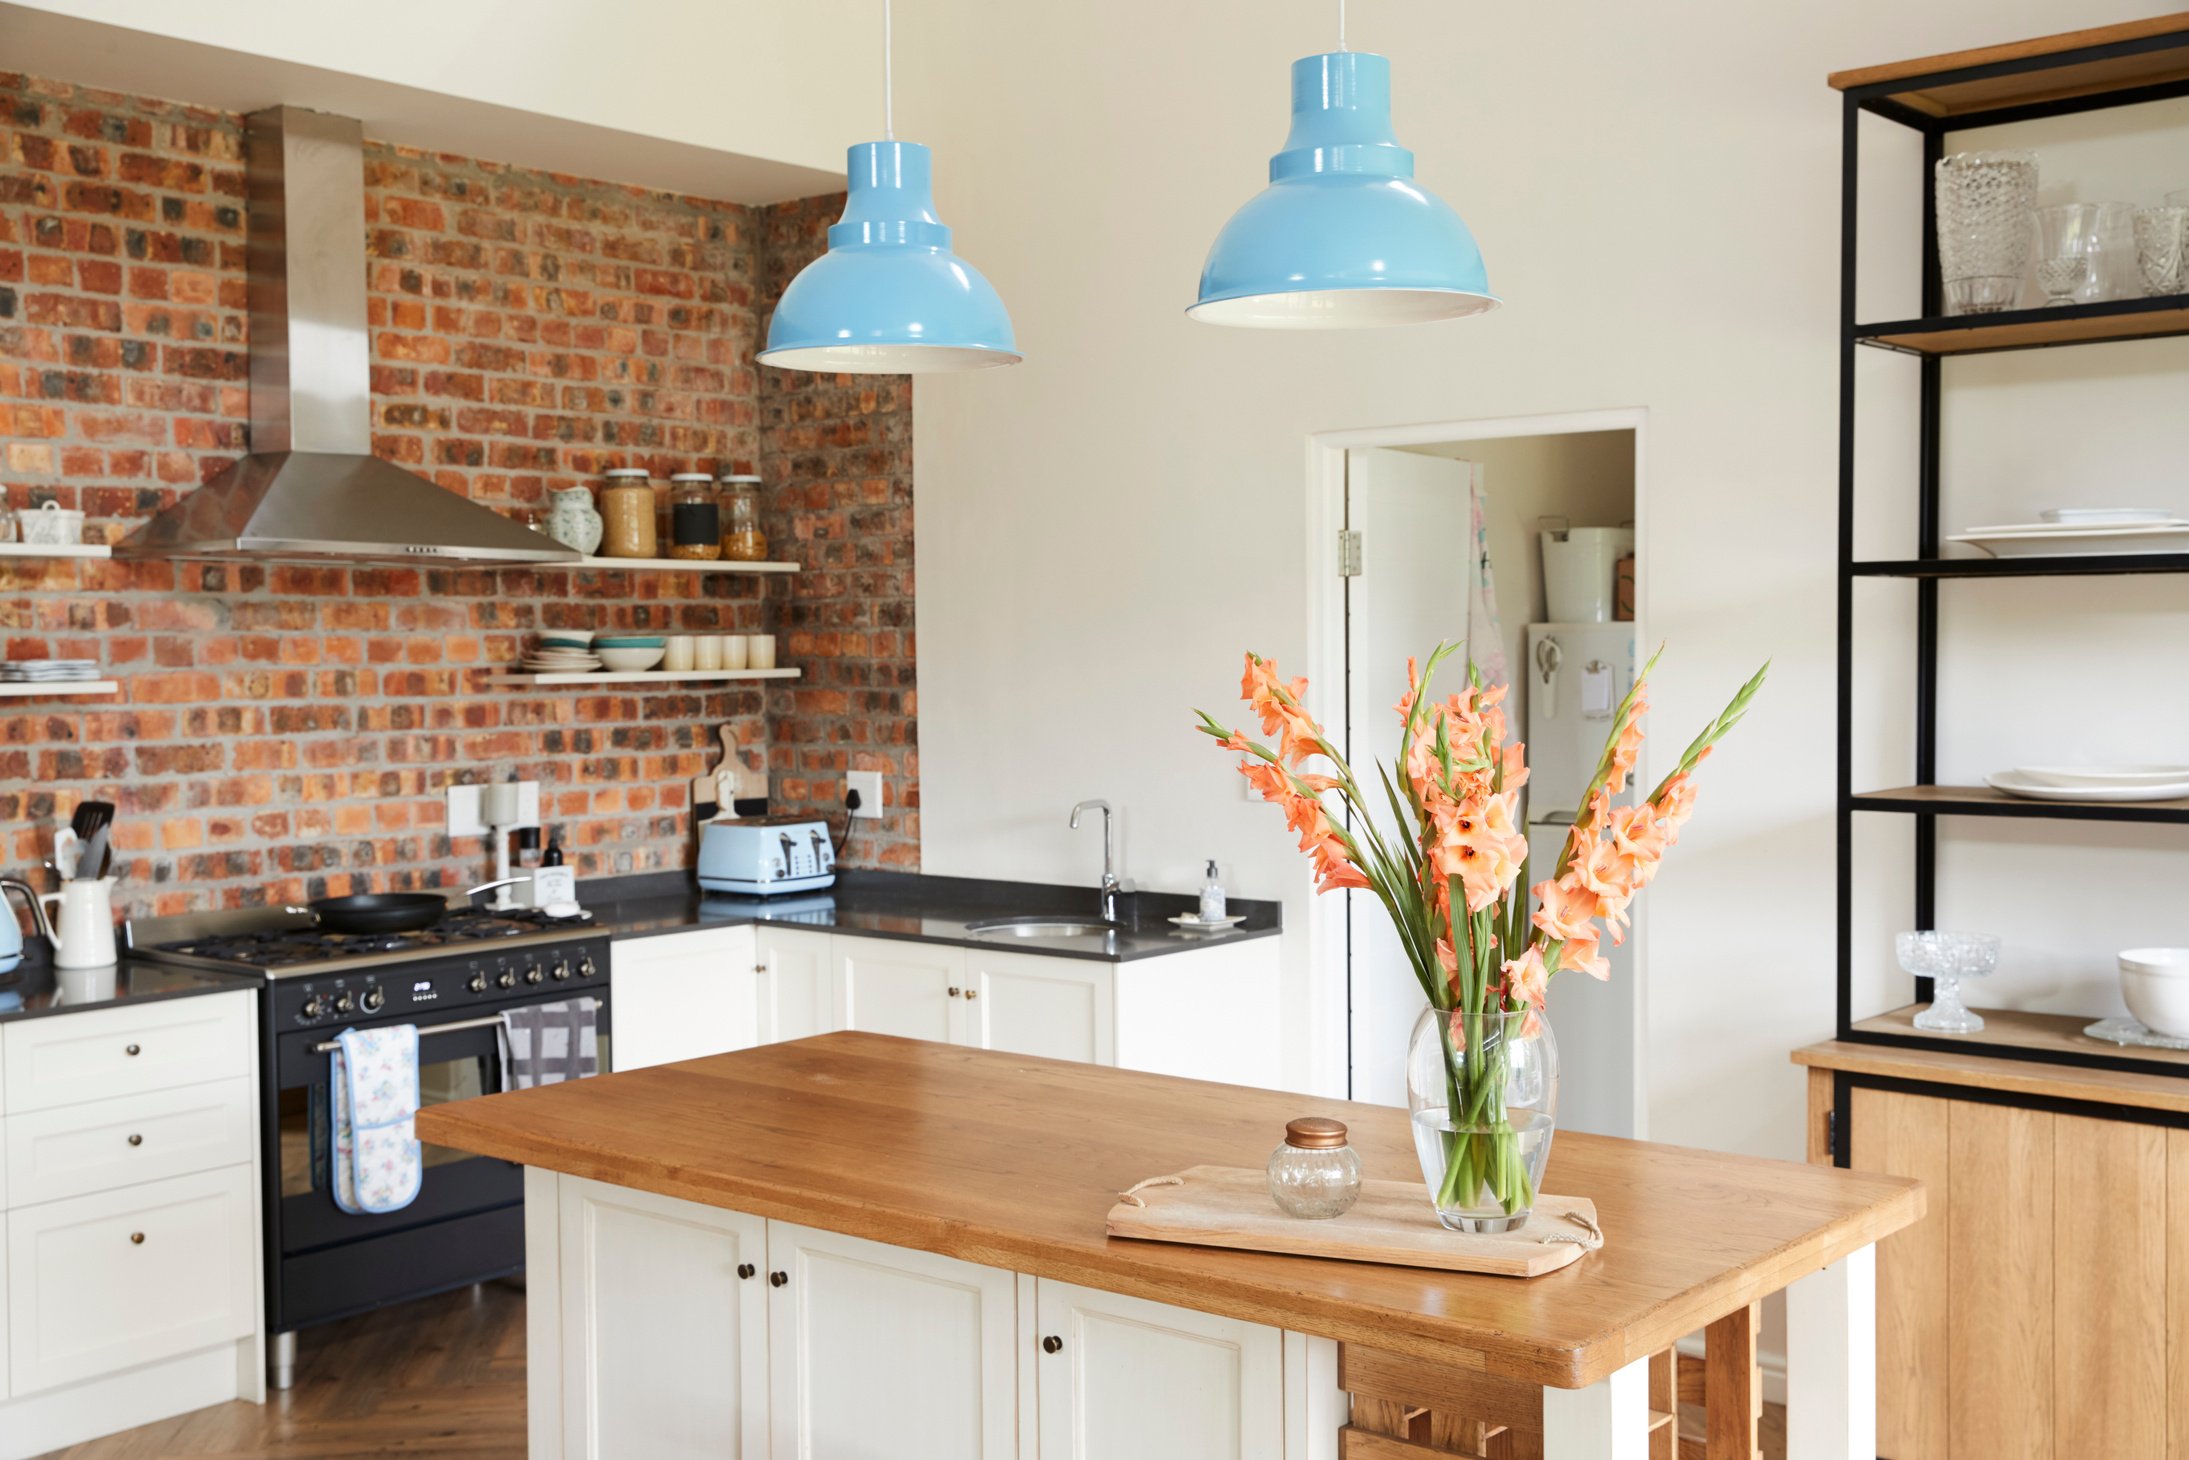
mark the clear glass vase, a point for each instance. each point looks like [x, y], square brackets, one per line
[1483, 1090]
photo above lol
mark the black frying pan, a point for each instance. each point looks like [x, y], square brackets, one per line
[390, 912]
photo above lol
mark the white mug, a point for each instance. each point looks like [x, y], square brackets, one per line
[735, 650]
[678, 659]
[707, 652]
[83, 923]
[760, 651]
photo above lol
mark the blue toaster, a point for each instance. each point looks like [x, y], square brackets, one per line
[761, 856]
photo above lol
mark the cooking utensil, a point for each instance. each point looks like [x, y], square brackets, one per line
[91, 862]
[89, 817]
[66, 850]
[392, 912]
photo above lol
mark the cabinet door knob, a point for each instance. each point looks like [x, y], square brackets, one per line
[133, 1050]
[1052, 1345]
[136, 1140]
[746, 1269]
[972, 993]
[956, 992]
[137, 1238]
[777, 1279]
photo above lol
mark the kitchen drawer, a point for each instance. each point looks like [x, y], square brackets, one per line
[105, 1282]
[75, 1149]
[67, 1059]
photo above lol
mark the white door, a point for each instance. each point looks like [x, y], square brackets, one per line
[1415, 515]
[683, 995]
[1062, 1008]
[1124, 1377]
[665, 1314]
[883, 1353]
[909, 989]
[794, 984]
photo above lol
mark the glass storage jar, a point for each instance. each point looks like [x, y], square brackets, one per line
[1314, 1173]
[627, 515]
[695, 518]
[742, 539]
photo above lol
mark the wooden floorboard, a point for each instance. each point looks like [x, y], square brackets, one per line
[442, 1376]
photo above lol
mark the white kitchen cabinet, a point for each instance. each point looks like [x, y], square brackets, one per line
[883, 1351]
[1126, 1377]
[102, 1282]
[664, 1327]
[98, 1054]
[889, 987]
[74, 1149]
[796, 978]
[1061, 1008]
[679, 996]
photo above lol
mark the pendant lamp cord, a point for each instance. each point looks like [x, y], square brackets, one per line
[889, 79]
[1341, 24]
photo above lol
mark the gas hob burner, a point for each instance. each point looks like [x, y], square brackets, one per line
[295, 947]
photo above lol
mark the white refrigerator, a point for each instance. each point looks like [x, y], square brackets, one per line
[1575, 676]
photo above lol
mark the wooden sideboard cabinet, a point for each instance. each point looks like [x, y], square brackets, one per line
[2040, 1310]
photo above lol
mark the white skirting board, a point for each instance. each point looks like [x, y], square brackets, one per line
[54, 1419]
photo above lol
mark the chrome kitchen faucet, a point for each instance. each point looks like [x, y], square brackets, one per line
[1110, 883]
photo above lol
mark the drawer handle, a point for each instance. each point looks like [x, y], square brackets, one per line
[136, 1140]
[134, 1050]
[1052, 1345]
[746, 1269]
[136, 1239]
[777, 1279]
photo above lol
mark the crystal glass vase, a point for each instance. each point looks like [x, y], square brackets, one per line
[1946, 959]
[1985, 200]
[1483, 1090]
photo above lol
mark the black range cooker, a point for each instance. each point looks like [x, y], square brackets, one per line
[452, 980]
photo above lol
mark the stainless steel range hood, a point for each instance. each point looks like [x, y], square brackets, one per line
[311, 487]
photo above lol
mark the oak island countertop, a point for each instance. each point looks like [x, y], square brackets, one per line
[1013, 1162]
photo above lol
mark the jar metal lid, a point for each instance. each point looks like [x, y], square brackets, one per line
[691, 476]
[737, 477]
[1315, 1133]
[628, 471]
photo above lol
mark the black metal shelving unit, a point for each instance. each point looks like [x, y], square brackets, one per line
[2047, 81]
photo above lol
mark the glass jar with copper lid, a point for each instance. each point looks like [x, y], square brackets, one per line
[627, 515]
[1314, 1173]
[742, 539]
[695, 517]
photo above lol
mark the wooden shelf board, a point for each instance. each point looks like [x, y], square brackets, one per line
[74, 550]
[1947, 98]
[58, 689]
[2061, 565]
[2032, 329]
[643, 676]
[675, 565]
[1968, 1063]
[1984, 801]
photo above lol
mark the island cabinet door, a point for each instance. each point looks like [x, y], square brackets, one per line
[1061, 1008]
[915, 990]
[1124, 1376]
[883, 1351]
[795, 997]
[664, 1327]
[683, 995]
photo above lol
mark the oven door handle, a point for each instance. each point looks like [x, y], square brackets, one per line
[329, 1046]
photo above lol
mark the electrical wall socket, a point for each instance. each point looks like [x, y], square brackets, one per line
[869, 786]
[463, 808]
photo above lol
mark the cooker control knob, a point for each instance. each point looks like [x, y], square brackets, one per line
[343, 1003]
[505, 980]
[562, 969]
[477, 984]
[313, 1007]
[533, 974]
[374, 999]
[586, 968]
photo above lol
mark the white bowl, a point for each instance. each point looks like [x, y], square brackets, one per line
[2159, 1002]
[2158, 962]
[630, 661]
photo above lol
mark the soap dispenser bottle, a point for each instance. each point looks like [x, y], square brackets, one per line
[1212, 897]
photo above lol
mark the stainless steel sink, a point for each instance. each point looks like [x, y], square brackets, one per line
[1041, 928]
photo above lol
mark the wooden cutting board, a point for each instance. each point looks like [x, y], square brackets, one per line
[1230, 1206]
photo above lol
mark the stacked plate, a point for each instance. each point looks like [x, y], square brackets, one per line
[47, 671]
[2079, 531]
[2093, 783]
[560, 660]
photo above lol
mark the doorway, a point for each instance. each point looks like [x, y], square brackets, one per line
[1441, 532]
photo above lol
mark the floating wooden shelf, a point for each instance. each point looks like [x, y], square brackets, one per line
[643, 676]
[675, 565]
[40, 550]
[58, 689]
[2057, 1035]
[2133, 56]
[1984, 801]
[2065, 565]
[2032, 329]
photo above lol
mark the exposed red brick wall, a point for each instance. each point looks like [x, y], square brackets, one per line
[287, 731]
[837, 454]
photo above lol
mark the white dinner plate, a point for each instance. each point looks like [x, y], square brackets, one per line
[2117, 775]
[2016, 785]
[1209, 925]
[2079, 541]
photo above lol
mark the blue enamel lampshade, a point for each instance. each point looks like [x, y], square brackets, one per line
[889, 297]
[1343, 237]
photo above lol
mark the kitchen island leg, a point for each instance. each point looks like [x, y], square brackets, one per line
[1831, 1361]
[1609, 1420]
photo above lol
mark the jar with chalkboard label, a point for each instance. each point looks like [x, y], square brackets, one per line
[695, 517]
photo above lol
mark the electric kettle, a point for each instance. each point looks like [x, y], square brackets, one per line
[11, 932]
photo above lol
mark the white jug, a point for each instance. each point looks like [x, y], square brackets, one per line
[82, 922]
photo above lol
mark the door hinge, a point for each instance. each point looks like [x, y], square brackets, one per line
[1349, 555]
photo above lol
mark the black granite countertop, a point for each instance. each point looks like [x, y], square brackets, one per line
[921, 909]
[37, 988]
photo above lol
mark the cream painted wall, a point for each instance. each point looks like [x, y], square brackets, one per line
[1105, 528]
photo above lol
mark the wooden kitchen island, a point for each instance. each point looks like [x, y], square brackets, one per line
[856, 1246]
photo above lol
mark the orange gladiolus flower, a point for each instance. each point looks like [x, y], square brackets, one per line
[1627, 748]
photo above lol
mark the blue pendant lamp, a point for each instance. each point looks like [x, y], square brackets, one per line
[889, 297]
[1343, 237]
